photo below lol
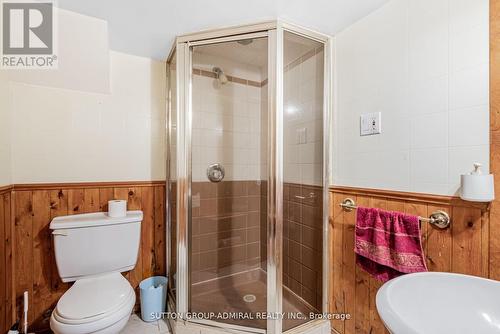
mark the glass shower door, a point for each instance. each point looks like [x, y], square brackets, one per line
[252, 159]
[228, 190]
[303, 176]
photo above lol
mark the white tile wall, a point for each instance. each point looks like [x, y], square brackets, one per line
[230, 121]
[83, 56]
[303, 108]
[84, 73]
[428, 131]
[469, 87]
[62, 135]
[475, 120]
[226, 121]
[424, 65]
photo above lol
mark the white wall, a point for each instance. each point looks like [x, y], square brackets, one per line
[82, 51]
[424, 65]
[5, 142]
[73, 126]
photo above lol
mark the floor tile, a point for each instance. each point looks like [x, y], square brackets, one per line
[163, 326]
[135, 325]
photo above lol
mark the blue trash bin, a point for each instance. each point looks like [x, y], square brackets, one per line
[153, 292]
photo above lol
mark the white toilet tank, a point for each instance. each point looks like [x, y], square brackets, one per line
[93, 243]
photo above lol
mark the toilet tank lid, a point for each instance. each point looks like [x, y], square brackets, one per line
[94, 219]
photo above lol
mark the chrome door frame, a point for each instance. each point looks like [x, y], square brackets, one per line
[168, 185]
[275, 181]
[184, 121]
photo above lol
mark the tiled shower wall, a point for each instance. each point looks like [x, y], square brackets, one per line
[302, 226]
[302, 241]
[225, 229]
[226, 234]
[303, 116]
[226, 119]
[303, 175]
[229, 232]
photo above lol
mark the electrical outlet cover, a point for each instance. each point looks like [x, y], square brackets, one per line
[301, 136]
[371, 124]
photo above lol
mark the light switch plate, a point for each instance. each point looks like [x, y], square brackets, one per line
[371, 124]
[301, 136]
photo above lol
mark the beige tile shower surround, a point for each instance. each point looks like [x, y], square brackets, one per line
[226, 119]
[225, 228]
[229, 121]
[303, 242]
[303, 112]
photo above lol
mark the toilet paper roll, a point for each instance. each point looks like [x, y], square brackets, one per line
[117, 208]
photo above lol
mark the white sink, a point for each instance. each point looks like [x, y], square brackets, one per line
[440, 303]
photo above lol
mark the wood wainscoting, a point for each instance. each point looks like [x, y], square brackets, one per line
[27, 250]
[495, 134]
[462, 248]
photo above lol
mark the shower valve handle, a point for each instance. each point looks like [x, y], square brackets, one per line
[215, 173]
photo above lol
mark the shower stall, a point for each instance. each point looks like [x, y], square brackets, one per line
[248, 164]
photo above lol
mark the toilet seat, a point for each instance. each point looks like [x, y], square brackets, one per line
[82, 304]
[93, 304]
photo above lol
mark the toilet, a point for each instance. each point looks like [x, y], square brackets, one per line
[92, 250]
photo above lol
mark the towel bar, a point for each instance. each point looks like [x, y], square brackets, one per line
[438, 218]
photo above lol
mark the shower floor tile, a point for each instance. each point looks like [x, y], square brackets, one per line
[229, 297]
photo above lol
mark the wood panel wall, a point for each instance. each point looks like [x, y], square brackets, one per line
[462, 248]
[29, 263]
[495, 135]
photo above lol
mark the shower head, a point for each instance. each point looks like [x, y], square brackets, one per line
[220, 75]
[245, 41]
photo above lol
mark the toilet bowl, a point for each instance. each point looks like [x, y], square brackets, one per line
[101, 304]
[93, 250]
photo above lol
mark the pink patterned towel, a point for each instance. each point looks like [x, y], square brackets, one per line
[388, 244]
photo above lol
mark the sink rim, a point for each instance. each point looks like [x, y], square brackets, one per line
[390, 317]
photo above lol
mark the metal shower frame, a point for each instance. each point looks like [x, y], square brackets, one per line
[182, 51]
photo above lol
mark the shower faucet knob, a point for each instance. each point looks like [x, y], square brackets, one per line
[215, 173]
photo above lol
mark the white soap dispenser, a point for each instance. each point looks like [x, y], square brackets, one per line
[477, 187]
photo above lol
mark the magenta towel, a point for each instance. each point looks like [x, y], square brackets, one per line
[388, 244]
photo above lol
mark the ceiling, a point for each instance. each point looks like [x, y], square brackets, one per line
[255, 53]
[148, 28]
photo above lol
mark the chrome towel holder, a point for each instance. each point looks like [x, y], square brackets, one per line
[438, 218]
